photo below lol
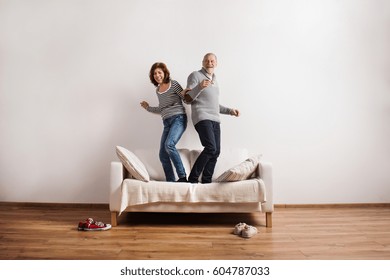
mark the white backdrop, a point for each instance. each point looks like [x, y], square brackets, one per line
[311, 79]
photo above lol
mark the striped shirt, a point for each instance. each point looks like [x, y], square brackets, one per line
[169, 102]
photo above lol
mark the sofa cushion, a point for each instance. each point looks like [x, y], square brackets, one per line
[228, 157]
[132, 164]
[135, 192]
[153, 165]
[242, 171]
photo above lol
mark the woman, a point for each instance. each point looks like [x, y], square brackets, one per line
[174, 118]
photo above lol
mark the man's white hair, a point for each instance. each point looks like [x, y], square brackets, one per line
[208, 54]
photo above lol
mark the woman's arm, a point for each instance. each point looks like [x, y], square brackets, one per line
[151, 109]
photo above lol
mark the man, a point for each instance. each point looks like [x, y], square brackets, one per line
[202, 93]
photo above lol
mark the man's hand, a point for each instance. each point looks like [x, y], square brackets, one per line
[186, 97]
[205, 83]
[184, 92]
[235, 112]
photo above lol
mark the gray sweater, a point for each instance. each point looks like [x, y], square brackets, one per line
[204, 102]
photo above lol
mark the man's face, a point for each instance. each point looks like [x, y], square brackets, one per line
[210, 61]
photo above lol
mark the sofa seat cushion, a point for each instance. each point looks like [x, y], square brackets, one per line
[135, 192]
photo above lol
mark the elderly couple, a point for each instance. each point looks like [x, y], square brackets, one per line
[202, 93]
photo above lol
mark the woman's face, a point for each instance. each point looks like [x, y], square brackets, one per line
[158, 75]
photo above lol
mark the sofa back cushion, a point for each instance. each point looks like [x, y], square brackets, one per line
[150, 158]
[228, 158]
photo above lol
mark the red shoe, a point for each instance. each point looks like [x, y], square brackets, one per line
[91, 225]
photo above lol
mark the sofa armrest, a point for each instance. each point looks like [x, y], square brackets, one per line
[265, 171]
[116, 179]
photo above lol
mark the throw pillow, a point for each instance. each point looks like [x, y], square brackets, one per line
[132, 164]
[242, 171]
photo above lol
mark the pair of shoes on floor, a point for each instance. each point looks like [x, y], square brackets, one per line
[244, 230]
[91, 225]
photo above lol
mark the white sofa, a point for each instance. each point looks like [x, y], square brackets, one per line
[128, 194]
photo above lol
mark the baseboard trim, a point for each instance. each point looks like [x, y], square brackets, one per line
[334, 205]
[56, 205]
[106, 205]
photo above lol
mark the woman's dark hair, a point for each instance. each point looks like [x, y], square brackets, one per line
[164, 68]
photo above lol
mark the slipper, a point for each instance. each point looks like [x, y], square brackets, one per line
[248, 231]
[238, 228]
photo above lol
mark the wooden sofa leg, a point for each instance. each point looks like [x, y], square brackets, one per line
[114, 219]
[268, 219]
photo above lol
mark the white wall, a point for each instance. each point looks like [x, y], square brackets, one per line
[311, 78]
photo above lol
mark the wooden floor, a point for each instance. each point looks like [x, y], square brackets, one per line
[297, 234]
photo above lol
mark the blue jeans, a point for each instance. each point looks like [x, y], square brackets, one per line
[210, 136]
[174, 128]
